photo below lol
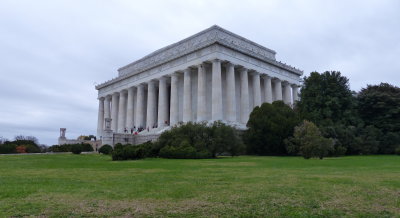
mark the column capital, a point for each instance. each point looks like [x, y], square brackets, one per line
[123, 91]
[115, 94]
[201, 65]
[285, 83]
[102, 98]
[254, 73]
[162, 78]
[242, 69]
[216, 60]
[295, 85]
[230, 64]
[276, 79]
[266, 76]
[187, 70]
[150, 82]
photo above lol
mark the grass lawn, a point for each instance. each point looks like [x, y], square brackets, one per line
[93, 185]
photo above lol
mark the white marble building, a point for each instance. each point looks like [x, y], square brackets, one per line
[212, 75]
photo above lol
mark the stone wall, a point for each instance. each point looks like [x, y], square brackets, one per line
[133, 139]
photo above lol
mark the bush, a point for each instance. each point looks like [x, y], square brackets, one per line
[308, 141]
[132, 152]
[207, 141]
[192, 140]
[76, 148]
[268, 127]
[105, 149]
[87, 147]
[397, 150]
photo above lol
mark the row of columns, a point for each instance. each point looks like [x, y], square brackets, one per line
[122, 111]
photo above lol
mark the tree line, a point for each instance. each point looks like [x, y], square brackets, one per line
[328, 120]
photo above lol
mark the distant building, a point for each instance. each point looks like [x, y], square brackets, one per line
[62, 140]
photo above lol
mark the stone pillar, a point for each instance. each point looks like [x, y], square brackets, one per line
[162, 102]
[256, 89]
[244, 96]
[278, 89]
[201, 94]
[100, 118]
[287, 99]
[122, 111]
[107, 137]
[139, 118]
[268, 89]
[230, 92]
[107, 111]
[216, 90]
[187, 96]
[114, 111]
[174, 116]
[130, 110]
[151, 105]
[295, 93]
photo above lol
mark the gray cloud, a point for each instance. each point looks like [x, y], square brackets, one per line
[53, 52]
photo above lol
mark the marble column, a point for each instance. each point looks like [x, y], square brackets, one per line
[295, 93]
[114, 111]
[278, 89]
[162, 102]
[244, 96]
[174, 107]
[107, 111]
[151, 105]
[139, 117]
[216, 90]
[256, 89]
[187, 96]
[100, 118]
[130, 109]
[121, 111]
[201, 94]
[230, 92]
[268, 89]
[287, 98]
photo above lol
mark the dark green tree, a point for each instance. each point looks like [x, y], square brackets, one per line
[379, 105]
[268, 127]
[326, 99]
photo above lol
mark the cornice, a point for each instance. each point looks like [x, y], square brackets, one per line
[212, 35]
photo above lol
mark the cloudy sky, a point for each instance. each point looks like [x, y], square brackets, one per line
[52, 53]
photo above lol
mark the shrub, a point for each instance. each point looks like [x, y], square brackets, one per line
[308, 141]
[209, 141]
[131, 152]
[76, 148]
[397, 150]
[87, 147]
[268, 127]
[105, 149]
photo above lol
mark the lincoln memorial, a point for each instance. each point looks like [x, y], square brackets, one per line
[212, 75]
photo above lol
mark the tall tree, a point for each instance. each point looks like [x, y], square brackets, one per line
[379, 105]
[326, 99]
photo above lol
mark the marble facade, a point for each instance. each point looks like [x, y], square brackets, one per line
[212, 75]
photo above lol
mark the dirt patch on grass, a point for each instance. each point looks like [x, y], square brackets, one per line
[67, 205]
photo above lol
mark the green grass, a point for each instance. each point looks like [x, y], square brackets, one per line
[93, 185]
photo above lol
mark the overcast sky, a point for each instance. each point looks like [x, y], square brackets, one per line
[52, 53]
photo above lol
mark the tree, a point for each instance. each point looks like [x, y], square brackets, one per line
[326, 99]
[268, 127]
[379, 105]
[308, 141]
[27, 138]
